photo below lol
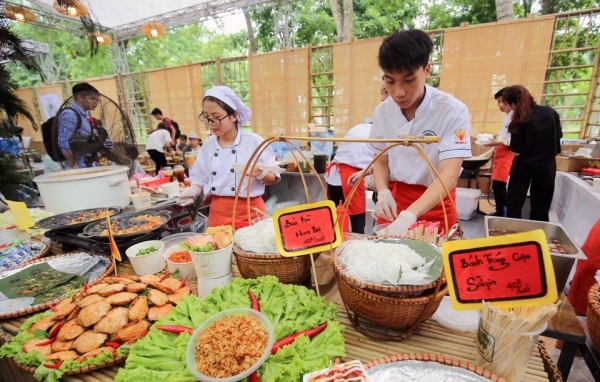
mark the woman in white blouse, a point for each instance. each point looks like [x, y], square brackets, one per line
[223, 112]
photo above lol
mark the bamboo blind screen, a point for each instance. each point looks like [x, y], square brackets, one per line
[279, 91]
[478, 61]
[177, 92]
[357, 83]
[26, 95]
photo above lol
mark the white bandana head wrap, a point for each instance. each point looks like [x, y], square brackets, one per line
[225, 94]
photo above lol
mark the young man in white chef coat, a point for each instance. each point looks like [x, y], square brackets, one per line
[406, 189]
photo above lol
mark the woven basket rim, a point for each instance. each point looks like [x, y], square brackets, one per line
[439, 359]
[592, 299]
[45, 305]
[380, 287]
[253, 255]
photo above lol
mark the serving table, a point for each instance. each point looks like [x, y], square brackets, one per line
[429, 338]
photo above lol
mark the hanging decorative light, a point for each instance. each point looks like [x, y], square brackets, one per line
[153, 30]
[71, 8]
[101, 38]
[21, 14]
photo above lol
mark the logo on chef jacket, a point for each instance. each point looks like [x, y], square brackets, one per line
[109, 144]
[429, 133]
[460, 136]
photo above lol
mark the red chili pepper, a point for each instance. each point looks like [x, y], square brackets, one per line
[48, 342]
[53, 308]
[53, 365]
[55, 330]
[254, 377]
[164, 276]
[292, 337]
[175, 329]
[183, 282]
[85, 286]
[254, 300]
[112, 344]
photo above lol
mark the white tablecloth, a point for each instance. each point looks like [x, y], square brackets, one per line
[575, 206]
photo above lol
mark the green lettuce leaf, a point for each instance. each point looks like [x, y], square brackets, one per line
[160, 356]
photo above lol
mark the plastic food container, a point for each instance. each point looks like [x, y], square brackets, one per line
[141, 201]
[190, 354]
[148, 264]
[205, 286]
[213, 264]
[467, 201]
[171, 189]
[185, 269]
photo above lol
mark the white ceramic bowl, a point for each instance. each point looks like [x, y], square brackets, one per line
[190, 354]
[213, 264]
[185, 269]
[148, 264]
[205, 286]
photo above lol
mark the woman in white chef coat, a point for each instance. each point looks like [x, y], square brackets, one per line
[223, 112]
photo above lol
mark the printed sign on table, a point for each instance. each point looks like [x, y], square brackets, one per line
[507, 271]
[306, 228]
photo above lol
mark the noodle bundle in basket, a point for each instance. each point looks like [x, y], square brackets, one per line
[390, 261]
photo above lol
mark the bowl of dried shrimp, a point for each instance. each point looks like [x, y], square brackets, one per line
[230, 345]
[147, 257]
[180, 260]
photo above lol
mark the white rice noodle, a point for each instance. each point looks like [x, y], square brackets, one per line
[258, 238]
[383, 263]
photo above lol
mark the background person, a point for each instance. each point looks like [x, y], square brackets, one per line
[535, 141]
[503, 158]
[74, 121]
[346, 168]
[406, 190]
[157, 113]
[158, 140]
[194, 146]
[223, 112]
[182, 143]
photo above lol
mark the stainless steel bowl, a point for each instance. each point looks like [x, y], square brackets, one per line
[563, 263]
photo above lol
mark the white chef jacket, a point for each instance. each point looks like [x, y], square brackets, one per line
[441, 115]
[157, 140]
[504, 135]
[353, 154]
[213, 171]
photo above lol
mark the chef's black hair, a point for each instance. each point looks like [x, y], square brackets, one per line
[405, 51]
[156, 111]
[228, 109]
[500, 93]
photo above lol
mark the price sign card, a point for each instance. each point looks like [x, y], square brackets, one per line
[508, 271]
[306, 228]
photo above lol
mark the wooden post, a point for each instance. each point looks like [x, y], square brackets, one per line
[310, 97]
[584, 129]
[146, 100]
[124, 94]
[218, 63]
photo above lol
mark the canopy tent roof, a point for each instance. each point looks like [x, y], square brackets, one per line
[124, 18]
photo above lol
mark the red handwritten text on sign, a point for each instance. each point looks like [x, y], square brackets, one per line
[509, 272]
[306, 229]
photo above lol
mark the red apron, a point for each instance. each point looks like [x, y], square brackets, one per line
[503, 159]
[358, 204]
[405, 194]
[585, 271]
[221, 210]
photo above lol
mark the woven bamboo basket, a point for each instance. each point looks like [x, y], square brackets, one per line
[289, 270]
[593, 315]
[388, 311]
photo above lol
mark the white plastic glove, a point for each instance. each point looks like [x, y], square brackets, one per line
[370, 183]
[386, 206]
[188, 196]
[259, 174]
[353, 178]
[400, 225]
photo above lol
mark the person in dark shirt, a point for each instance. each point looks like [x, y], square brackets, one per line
[535, 141]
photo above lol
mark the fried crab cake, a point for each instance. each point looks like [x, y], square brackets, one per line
[43, 324]
[31, 345]
[96, 352]
[120, 299]
[157, 297]
[111, 289]
[90, 299]
[93, 313]
[113, 321]
[136, 287]
[70, 331]
[62, 356]
[138, 309]
[178, 296]
[62, 345]
[132, 331]
[157, 312]
[88, 341]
